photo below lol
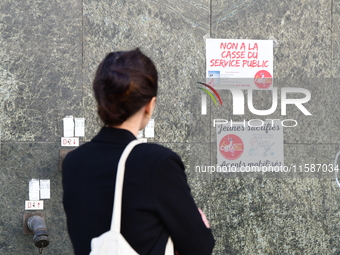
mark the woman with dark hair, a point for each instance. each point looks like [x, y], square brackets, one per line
[156, 200]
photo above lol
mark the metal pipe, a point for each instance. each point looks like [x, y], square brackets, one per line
[38, 226]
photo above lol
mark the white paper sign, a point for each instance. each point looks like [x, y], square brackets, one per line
[34, 189]
[241, 63]
[45, 192]
[68, 126]
[150, 129]
[140, 134]
[243, 145]
[79, 126]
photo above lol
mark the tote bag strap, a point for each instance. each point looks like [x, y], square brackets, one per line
[117, 206]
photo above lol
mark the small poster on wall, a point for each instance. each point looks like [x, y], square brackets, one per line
[252, 143]
[241, 63]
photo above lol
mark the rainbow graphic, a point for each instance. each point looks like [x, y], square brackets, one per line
[209, 93]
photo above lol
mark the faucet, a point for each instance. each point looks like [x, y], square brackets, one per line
[37, 225]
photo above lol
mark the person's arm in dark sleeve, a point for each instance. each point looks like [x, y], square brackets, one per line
[177, 209]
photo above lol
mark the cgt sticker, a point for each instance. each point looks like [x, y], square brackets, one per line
[231, 147]
[263, 79]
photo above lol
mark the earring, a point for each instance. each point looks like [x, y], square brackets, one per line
[148, 116]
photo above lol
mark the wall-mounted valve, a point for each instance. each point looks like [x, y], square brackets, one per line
[37, 225]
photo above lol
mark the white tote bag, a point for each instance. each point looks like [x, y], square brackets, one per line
[112, 242]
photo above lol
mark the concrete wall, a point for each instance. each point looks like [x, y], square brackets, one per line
[50, 49]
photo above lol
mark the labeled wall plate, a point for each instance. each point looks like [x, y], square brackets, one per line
[70, 141]
[34, 205]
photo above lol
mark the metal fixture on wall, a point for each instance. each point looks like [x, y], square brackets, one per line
[36, 223]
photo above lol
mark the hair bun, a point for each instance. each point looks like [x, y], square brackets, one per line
[118, 81]
[125, 81]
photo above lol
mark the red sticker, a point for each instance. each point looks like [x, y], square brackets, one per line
[263, 79]
[231, 147]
